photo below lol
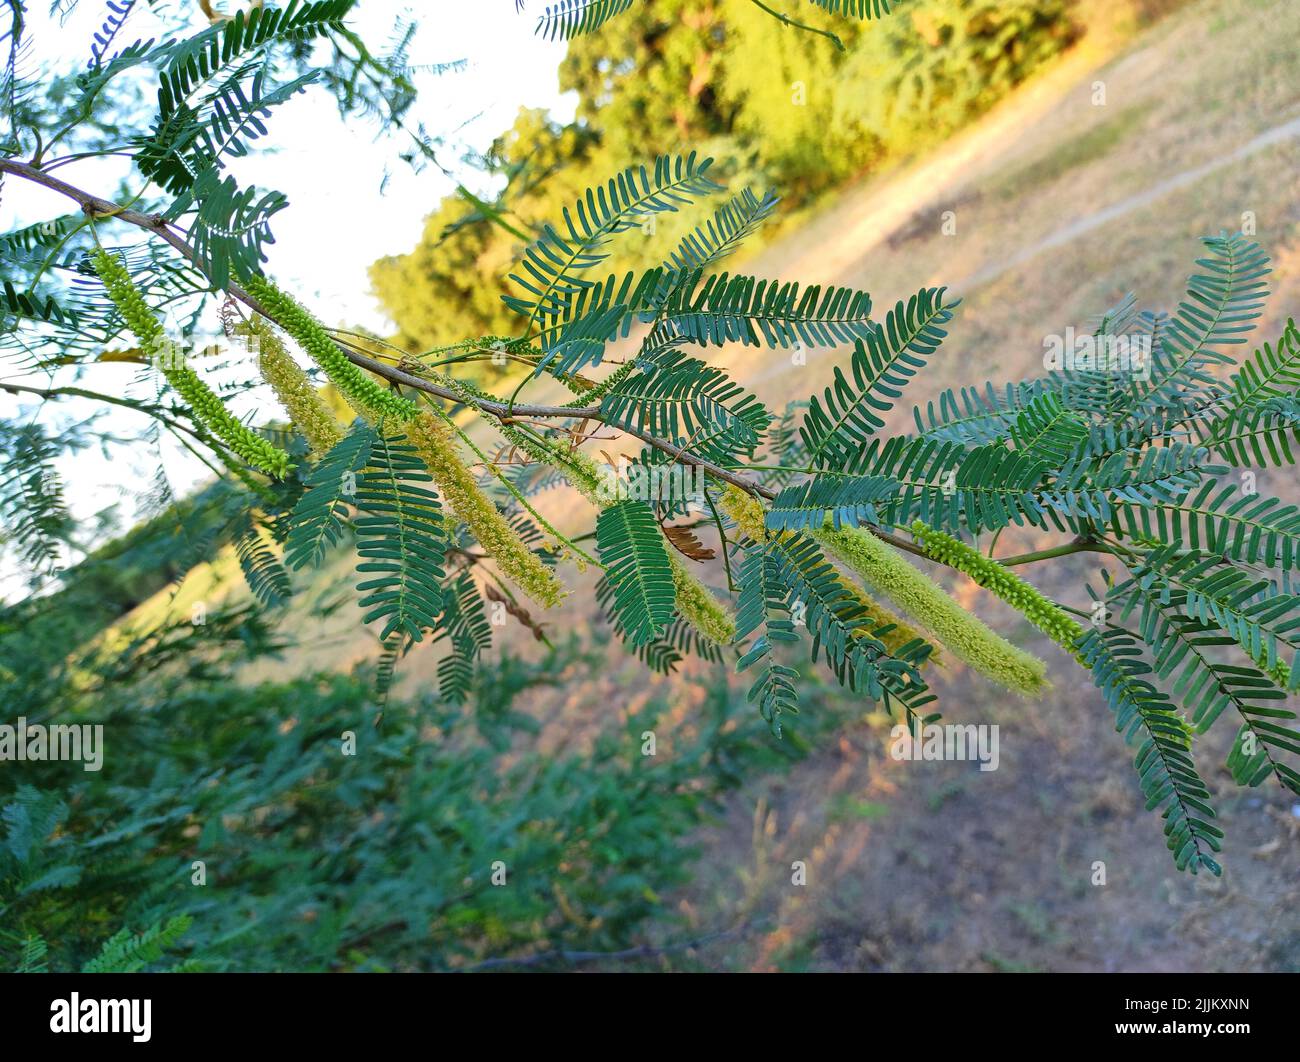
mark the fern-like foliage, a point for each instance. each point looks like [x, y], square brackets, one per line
[28, 305]
[1183, 651]
[231, 226]
[34, 957]
[1263, 620]
[973, 416]
[32, 243]
[118, 12]
[732, 223]
[947, 485]
[843, 500]
[401, 538]
[197, 61]
[1246, 528]
[1221, 305]
[1185, 630]
[263, 568]
[581, 343]
[127, 952]
[666, 650]
[391, 652]
[1164, 763]
[678, 397]
[722, 308]
[212, 99]
[1256, 423]
[707, 310]
[464, 624]
[36, 520]
[637, 569]
[839, 423]
[858, 8]
[1046, 430]
[186, 142]
[316, 522]
[547, 271]
[572, 18]
[763, 603]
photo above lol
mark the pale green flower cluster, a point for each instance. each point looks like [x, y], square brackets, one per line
[699, 606]
[968, 638]
[432, 440]
[203, 403]
[309, 334]
[1043, 613]
[887, 572]
[309, 414]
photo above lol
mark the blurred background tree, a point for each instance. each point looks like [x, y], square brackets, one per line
[776, 108]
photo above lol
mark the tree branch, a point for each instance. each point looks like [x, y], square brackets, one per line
[95, 206]
[1056, 551]
[788, 21]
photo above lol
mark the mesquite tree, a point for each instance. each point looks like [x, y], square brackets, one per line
[1132, 452]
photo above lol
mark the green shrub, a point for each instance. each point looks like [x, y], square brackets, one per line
[316, 860]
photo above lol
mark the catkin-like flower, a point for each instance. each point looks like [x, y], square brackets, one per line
[879, 616]
[294, 389]
[988, 573]
[308, 332]
[746, 511]
[205, 405]
[748, 514]
[433, 442]
[698, 605]
[1040, 610]
[888, 572]
[1280, 672]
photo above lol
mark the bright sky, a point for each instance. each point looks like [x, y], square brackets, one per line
[338, 220]
[323, 163]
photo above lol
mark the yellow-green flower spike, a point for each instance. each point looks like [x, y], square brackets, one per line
[205, 405]
[309, 414]
[433, 441]
[968, 638]
[878, 616]
[748, 514]
[362, 391]
[988, 573]
[887, 572]
[699, 607]
[746, 511]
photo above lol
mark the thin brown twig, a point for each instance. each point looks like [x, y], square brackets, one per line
[504, 411]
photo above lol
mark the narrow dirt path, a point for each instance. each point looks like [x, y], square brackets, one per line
[1279, 134]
